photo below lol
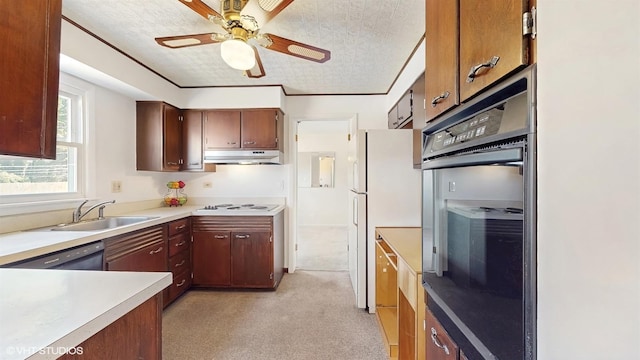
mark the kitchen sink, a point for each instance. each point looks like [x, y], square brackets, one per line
[106, 223]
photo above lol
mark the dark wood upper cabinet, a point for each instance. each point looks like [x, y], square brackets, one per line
[29, 74]
[490, 32]
[441, 58]
[222, 129]
[192, 140]
[158, 131]
[259, 129]
[401, 115]
[471, 45]
[243, 129]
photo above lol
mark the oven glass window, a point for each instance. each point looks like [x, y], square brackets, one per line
[478, 258]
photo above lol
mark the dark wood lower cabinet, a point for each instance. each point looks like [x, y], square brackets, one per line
[142, 250]
[238, 251]
[136, 335]
[439, 345]
[252, 259]
[179, 258]
[211, 256]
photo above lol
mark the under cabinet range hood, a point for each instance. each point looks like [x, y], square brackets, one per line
[246, 157]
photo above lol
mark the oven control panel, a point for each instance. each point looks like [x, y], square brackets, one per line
[510, 116]
[481, 125]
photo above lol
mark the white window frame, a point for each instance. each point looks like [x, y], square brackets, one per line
[84, 94]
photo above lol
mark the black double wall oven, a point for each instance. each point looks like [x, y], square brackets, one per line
[479, 227]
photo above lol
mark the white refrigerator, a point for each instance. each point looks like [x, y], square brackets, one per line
[385, 191]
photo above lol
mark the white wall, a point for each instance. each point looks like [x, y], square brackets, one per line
[325, 206]
[588, 179]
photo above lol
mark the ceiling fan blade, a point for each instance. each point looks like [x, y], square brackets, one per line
[257, 71]
[181, 41]
[295, 48]
[201, 8]
[265, 10]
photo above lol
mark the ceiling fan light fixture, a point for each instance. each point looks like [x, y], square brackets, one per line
[238, 54]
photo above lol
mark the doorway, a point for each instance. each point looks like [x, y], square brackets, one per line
[322, 191]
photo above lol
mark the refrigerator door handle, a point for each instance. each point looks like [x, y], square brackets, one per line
[354, 214]
[354, 171]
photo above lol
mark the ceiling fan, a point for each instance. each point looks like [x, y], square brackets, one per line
[241, 19]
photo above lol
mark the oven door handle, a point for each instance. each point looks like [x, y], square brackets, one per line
[484, 158]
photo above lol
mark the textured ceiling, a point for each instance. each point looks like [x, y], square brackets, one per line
[370, 41]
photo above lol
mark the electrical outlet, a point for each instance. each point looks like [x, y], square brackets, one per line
[452, 186]
[116, 186]
[207, 184]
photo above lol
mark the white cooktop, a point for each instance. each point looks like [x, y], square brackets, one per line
[243, 209]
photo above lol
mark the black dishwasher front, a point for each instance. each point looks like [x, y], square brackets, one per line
[83, 257]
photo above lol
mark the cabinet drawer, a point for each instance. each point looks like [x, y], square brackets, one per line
[178, 243]
[439, 344]
[180, 262]
[150, 258]
[181, 283]
[178, 226]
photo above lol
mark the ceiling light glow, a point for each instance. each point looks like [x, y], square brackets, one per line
[238, 54]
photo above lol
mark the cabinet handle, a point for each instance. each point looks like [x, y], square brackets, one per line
[242, 236]
[181, 283]
[181, 227]
[434, 338]
[171, 163]
[394, 123]
[249, 143]
[180, 263]
[437, 99]
[231, 143]
[220, 236]
[181, 243]
[155, 251]
[194, 163]
[489, 64]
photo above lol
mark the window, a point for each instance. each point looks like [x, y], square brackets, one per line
[31, 180]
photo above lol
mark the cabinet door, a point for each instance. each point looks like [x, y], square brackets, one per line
[150, 258]
[392, 118]
[439, 344]
[211, 258]
[406, 328]
[259, 129]
[192, 140]
[29, 71]
[490, 29]
[252, 259]
[405, 109]
[441, 58]
[222, 129]
[172, 138]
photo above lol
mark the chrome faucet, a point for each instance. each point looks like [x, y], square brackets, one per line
[78, 214]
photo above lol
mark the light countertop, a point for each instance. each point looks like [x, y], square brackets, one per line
[406, 242]
[26, 244]
[50, 310]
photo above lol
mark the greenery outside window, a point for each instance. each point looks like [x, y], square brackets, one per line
[32, 180]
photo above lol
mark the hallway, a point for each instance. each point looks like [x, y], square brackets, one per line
[322, 247]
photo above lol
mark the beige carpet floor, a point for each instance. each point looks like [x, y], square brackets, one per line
[322, 247]
[310, 316]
